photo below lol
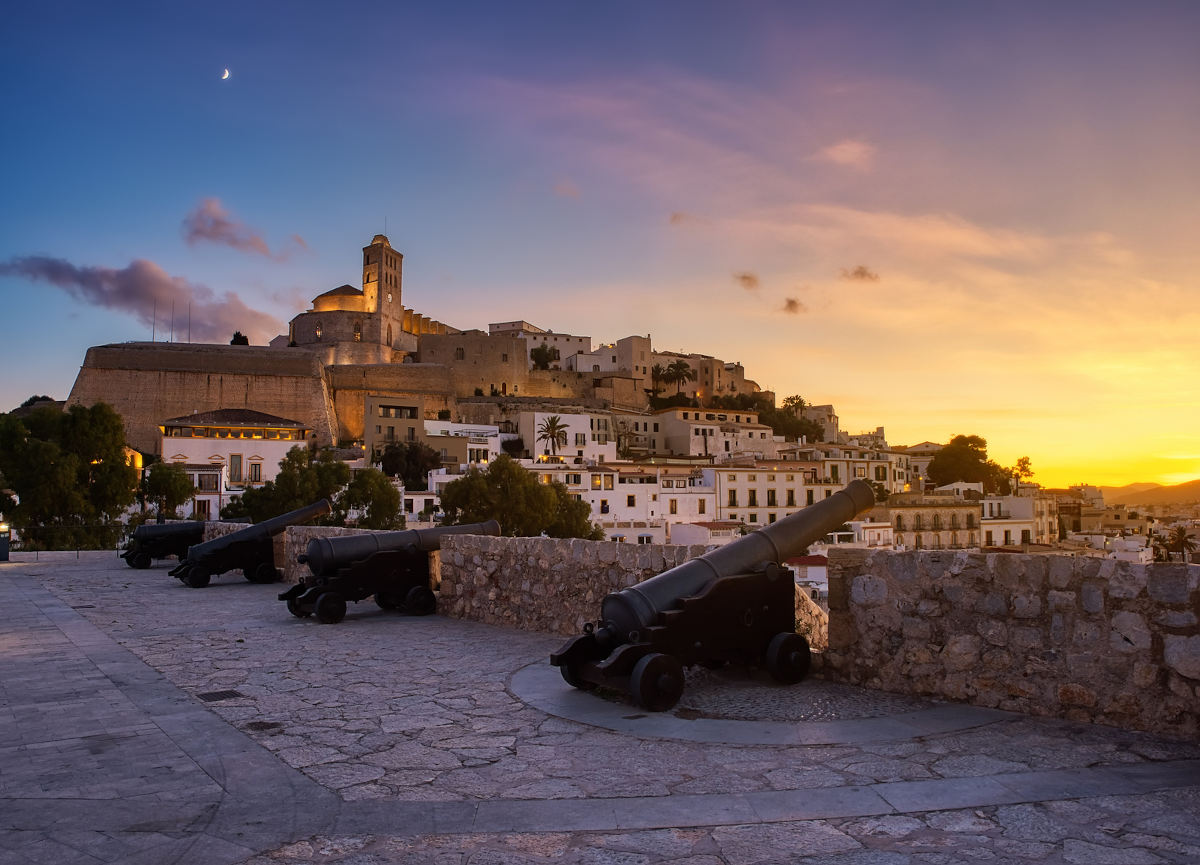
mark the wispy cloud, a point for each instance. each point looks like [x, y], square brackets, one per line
[850, 153]
[210, 222]
[566, 188]
[861, 273]
[747, 280]
[148, 292]
[793, 306]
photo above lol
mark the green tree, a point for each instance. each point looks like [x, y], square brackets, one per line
[304, 478]
[168, 485]
[412, 462]
[553, 432]
[1023, 469]
[509, 494]
[239, 338]
[965, 459]
[376, 498]
[658, 375]
[542, 356]
[68, 473]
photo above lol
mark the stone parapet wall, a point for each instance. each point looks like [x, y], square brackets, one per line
[293, 541]
[1079, 638]
[543, 584]
[811, 621]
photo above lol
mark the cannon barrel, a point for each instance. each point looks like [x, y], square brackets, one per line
[261, 531]
[637, 607]
[325, 556]
[151, 532]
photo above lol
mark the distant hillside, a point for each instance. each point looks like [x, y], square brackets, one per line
[1152, 494]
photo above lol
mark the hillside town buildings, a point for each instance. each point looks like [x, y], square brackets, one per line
[362, 371]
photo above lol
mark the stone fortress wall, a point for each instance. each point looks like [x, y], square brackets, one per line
[1084, 639]
[1080, 638]
[148, 383]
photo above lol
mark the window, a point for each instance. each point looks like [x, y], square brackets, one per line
[987, 539]
[206, 483]
[791, 498]
[645, 539]
[809, 497]
[970, 521]
[700, 506]
[255, 473]
[860, 471]
[358, 331]
[318, 330]
[771, 498]
[674, 506]
[460, 354]
[881, 473]
[580, 439]
[899, 522]
[631, 501]
[608, 482]
[1025, 538]
[595, 482]
[733, 498]
[770, 518]
[754, 518]
[203, 509]
[751, 477]
[235, 468]
[603, 506]
[753, 500]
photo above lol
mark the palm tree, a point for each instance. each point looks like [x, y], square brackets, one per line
[1179, 541]
[658, 374]
[681, 372]
[553, 432]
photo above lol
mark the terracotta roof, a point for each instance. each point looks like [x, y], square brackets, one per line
[235, 417]
[342, 291]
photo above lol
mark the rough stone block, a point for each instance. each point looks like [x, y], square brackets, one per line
[1025, 639]
[961, 652]
[992, 604]
[1027, 606]
[1074, 694]
[1182, 654]
[993, 631]
[1060, 572]
[868, 590]
[1168, 583]
[1062, 600]
[1125, 579]
[1129, 633]
[1176, 619]
[1091, 596]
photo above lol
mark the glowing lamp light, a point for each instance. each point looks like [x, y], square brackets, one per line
[3, 527]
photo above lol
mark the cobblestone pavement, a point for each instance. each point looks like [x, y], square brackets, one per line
[392, 739]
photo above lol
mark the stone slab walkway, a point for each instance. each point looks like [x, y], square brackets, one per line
[145, 722]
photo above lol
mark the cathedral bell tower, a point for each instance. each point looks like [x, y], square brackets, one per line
[382, 267]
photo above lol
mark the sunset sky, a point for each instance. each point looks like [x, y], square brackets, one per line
[942, 218]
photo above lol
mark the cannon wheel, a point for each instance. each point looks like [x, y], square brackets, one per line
[419, 601]
[263, 572]
[330, 608]
[788, 658]
[570, 674]
[293, 605]
[141, 561]
[386, 601]
[197, 577]
[656, 682]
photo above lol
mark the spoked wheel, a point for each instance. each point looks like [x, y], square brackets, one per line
[657, 682]
[263, 572]
[330, 608]
[386, 601]
[141, 561]
[788, 658]
[570, 674]
[293, 605]
[197, 577]
[419, 601]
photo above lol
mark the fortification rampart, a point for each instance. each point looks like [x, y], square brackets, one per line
[149, 382]
[349, 386]
[1080, 638]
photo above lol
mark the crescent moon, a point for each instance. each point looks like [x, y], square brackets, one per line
[225, 75]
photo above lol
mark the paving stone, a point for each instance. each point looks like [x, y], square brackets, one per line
[1084, 853]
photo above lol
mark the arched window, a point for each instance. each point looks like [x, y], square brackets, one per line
[937, 521]
[971, 521]
[460, 354]
[918, 523]
[899, 523]
[389, 334]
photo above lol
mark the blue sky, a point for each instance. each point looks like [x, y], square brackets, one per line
[1018, 185]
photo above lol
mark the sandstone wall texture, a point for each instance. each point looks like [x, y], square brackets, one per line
[148, 383]
[1079, 638]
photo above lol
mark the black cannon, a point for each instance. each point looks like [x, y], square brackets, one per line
[392, 566]
[251, 549]
[159, 540]
[734, 604]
